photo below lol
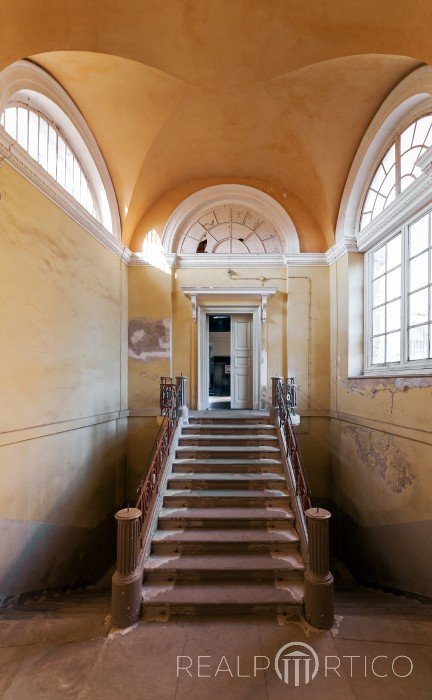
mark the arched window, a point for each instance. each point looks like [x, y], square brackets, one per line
[44, 135]
[45, 143]
[398, 168]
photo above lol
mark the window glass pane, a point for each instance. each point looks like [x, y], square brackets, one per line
[394, 284]
[33, 143]
[76, 179]
[378, 320]
[421, 130]
[408, 160]
[418, 307]
[378, 347]
[11, 121]
[378, 291]
[394, 248]
[418, 342]
[393, 347]
[419, 273]
[407, 138]
[69, 170]
[389, 159]
[61, 161]
[43, 143]
[379, 258]
[22, 134]
[419, 235]
[52, 151]
[393, 319]
[377, 180]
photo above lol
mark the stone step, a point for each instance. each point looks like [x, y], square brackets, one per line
[225, 540]
[223, 598]
[250, 517]
[228, 428]
[183, 465]
[228, 440]
[268, 566]
[228, 452]
[224, 480]
[223, 498]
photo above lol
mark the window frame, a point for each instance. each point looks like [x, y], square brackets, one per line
[404, 366]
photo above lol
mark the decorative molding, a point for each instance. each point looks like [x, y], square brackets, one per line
[199, 203]
[200, 260]
[348, 245]
[196, 293]
[13, 154]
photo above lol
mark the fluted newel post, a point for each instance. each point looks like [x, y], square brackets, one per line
[181, 387]
[127, 580]
[318, 595]
[276, 383]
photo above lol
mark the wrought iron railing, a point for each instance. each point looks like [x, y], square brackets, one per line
[170, 407]
[285, 402]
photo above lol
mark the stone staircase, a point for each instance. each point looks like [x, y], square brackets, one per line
[226, 539]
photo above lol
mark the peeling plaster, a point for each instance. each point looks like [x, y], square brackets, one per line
[382, 457]
[149, 339]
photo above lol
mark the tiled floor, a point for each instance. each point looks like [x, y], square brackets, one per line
[376, 637]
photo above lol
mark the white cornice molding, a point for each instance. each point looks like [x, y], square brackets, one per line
[12, 153]
[348, 245]
[197, 293]
[408, 203]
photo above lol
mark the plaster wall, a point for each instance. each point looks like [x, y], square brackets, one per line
[381, 453]
[63, 394]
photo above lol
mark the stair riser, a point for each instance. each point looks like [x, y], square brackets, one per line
[220, 502]
[271, 432]
[227, 484]
[168, 548]
[239, 608]
[220, 441]
[211, 575]
[227, 454]
[171, 523]
[224, 468]
[225, 421]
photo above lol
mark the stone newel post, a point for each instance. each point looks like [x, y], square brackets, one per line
[181, 386]
[127, 580]
[318, 596]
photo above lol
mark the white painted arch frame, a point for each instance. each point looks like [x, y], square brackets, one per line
[199, 203]
[408, 101]
[46, 94]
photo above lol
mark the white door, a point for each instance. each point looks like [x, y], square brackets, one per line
[241, 361]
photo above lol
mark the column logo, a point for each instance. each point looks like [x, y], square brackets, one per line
[296, 663]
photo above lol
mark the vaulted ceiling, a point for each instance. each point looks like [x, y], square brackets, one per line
[182, 93]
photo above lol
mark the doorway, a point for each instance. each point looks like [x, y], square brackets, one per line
[228, 371]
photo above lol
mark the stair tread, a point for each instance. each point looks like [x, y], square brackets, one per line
[228, 493]
[226, 448]
[226, 476]
[268, 561]
[242, 437]
[211, 594]
[222, 535]
[232, 462]
[226, 513]
[229, 426]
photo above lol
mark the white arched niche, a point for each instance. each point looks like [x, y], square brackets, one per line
[260, 209]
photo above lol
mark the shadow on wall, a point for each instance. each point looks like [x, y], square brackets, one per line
[37, 556]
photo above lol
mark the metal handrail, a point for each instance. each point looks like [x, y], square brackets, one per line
[148, 488]
[286, 400]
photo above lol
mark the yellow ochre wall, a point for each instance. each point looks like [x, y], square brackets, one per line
[381, 453]
[63, 394]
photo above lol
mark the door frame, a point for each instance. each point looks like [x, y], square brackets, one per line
[203, 349]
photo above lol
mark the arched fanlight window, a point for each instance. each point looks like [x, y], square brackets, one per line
[44, 142]
[398, 169]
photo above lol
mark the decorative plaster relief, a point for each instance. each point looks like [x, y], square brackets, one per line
[381, 456]
[149, 339]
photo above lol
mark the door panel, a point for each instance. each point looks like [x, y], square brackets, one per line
[241, 361]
